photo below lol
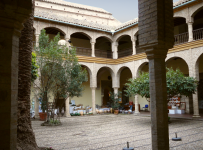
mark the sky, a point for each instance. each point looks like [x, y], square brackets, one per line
[122, 10]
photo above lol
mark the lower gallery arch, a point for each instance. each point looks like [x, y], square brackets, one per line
[200, 86]
[86, 98]
[125, 74]
[180, 63]
[144, 67]
[104, 87]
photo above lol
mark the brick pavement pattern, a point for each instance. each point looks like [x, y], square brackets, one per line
[112, 132]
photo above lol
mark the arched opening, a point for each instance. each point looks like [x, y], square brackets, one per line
[144, 67]
[200, 85]
[125, 74]
[124, 46]
[82, 43]
[198, 24]
[52, 32]
[86, 98]
[180, 30]
[179, 63]
[103, 47]
[104, 86]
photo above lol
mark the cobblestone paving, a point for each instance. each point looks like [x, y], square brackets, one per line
[111, 132]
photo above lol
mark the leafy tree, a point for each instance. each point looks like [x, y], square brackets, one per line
[34, 71]
[60, 74]
[177, 84]
[114, 99]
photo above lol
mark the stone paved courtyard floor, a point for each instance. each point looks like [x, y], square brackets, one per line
[112, 132]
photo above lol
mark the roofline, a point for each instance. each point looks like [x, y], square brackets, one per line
[184, 4]
[113, 31]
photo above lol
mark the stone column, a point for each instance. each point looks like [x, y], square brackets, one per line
[115, 90]
[67, 41]
[93, 100]
[190, 31]
[36, 107]
[12, 18]
[93, 48]
[37, 39]
[67, 113]
[134, 49]
[136, 106]
[194, 72]
[195, 105]
[155, 38]
[115, 50]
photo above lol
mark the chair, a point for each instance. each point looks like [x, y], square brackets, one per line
[145, 108]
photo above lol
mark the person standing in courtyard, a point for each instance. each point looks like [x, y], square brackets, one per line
[131, 105]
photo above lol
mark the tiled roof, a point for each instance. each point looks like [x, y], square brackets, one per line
[62, 2]
[180, 2]
[86, 23]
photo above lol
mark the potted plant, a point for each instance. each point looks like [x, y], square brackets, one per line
[43, 114]
[114, 99]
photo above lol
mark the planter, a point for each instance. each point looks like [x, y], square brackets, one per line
[43, 116]
[116, 112]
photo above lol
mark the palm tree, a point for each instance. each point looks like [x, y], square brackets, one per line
[25, 135]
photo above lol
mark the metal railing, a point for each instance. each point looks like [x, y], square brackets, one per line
[83, 51]
[198, 34]
[181, 38]
[124, 53]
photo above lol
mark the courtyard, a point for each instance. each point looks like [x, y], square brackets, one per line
[112, 132]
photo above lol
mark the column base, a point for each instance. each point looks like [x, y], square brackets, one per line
[196, 116]
[93, 55]
[137, 113]
[67, 115]
[37, 116]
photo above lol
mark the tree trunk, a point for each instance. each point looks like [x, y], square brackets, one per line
[25, 135]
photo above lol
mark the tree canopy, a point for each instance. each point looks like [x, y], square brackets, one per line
[176, 82]
[60, 74]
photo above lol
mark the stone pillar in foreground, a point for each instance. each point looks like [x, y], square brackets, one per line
[190, 31]
[137, 113]
[155, 38]
[93, 48]
[13, 15]
[67, 113]
[93, 100]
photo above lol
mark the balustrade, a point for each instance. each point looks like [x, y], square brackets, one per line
[124, 53]
[181, 38]
[198, 34]
[83, 51]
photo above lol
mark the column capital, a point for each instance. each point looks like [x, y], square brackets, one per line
[190, 23]
[156, 52]
[92, 42]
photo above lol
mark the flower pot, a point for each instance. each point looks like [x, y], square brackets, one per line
[116, 112]
[43, 116]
